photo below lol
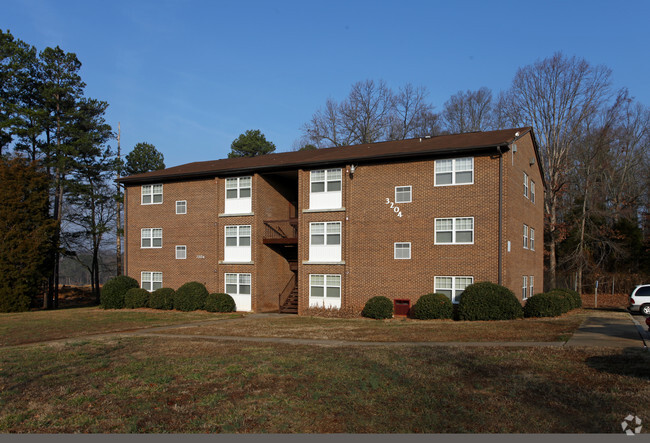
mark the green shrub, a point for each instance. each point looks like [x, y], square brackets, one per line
[576, 300]
[114, 290]
[378, 307]
[431, 306]
[136, 298]
[565, 300]
[162, 298]
[219, 303]
[543, 305]
[190, 297]
[488, 301]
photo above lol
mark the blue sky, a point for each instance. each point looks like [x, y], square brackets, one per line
[190, 76]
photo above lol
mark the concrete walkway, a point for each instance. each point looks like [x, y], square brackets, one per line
[610, 329]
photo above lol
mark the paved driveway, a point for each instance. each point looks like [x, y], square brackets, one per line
[612, 329]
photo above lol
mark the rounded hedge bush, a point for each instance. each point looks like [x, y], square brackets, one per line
[190, 297]
[576, 300]
[378, 307]
[114, 290]
[136, 298]
[220, 303]
[431, 306]
[543, 305]
[488, 301]
[162, 298]
[565, 300]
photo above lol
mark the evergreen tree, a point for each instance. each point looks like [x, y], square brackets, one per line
[250, 144]
[144, 158]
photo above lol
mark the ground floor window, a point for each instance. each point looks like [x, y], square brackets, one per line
[452, 287]
[238, 286]
[531, 285]
[325, 290]
[151, 280]
[524, 288]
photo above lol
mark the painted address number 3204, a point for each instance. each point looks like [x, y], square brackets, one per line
[395, 208]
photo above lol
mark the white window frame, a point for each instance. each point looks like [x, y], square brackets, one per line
[531, 280]
[454, 171]
[243, 300]
[525, 185]
[329, 282]
[329, 250]
[326, 198]
[408, 249]
[532, 191]
[454, 230]
[151, 280]
[148, 234]
[183, 252]
[238, 253]
[525, 236]
[238, 204]
[183, 205]
[148, 192]
[524, 287]
[410, 191]
[455, 286]
[531, 239]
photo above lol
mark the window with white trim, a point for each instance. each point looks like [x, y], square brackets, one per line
[402, 251]
[452, 287]
[238, 195]
[238, 286]
[532, 239]
[532, 191]
[181, 206]
[403, 194]
[151, 238]
[453, 231]
[525, 236]
[325, 290]
[238, 243]
[531, 285]
[525, 185]
[454, 171]
[325, 242]
[325, 188]
[151, 280]
[181, 252]
[152, 194]
[524, 288]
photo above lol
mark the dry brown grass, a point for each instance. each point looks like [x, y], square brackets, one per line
[182, 386]
[396, 330]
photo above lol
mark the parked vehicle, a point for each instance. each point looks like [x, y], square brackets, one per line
[640, 300]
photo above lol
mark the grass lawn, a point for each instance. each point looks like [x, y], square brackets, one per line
[153, 384]
[541, 329]
[38, 326]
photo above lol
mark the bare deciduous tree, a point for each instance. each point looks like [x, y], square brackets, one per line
[410, 114]
[469, 111]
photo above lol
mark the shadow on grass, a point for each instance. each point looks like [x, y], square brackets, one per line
[631, 362]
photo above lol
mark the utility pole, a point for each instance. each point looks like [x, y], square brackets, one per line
[118, 257]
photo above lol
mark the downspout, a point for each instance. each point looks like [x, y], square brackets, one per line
[126, 224]
[500, 240]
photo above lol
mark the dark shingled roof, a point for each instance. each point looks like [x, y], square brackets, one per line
[398, 149]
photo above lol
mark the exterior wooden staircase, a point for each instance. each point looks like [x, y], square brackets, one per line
[288, 298]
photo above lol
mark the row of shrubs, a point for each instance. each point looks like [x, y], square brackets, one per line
[480, 301]
[124, 292]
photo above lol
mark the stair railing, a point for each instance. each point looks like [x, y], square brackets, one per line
[284, 295]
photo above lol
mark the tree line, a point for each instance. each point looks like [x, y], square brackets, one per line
[593, 142]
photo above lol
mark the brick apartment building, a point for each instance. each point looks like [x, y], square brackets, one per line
[335, 227]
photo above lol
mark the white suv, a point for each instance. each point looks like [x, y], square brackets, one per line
[640, 300]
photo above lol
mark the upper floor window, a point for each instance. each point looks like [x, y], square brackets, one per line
[325, 189]
[525, 185]
[238, 244]
[151, 280]
[532, 191]
[181, 207]
[151, 238]
[452, 287]
[403, 194]
[325, 242]
[525, 236]
[152, 194]
[238, 195]
[458, 230]
[532, 239]
[402, 251]
[454, 171]
[181, 252]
